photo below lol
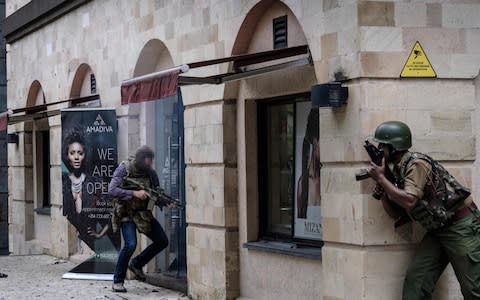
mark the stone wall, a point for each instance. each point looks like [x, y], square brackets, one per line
[108, 36]
[441, 114]
[365, 41]
[211, 193]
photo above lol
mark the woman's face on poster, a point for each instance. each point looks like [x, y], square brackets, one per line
[76, 154]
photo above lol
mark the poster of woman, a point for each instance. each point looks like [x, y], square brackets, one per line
[307, 173]
[88, 156]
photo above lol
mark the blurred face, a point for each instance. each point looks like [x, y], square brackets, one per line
[144, 164]
[149, 162]
[76, 154]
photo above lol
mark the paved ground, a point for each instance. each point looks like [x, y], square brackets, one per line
[40, 277]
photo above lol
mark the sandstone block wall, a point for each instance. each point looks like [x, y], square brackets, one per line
[366, 42]
[441, 113]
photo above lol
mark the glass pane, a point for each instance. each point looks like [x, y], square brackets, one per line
[280, 152]
[169, 164]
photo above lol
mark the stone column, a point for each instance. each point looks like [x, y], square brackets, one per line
[211, 193]
[63, 234]
[20, 175]
[364, 257]
[133, 124]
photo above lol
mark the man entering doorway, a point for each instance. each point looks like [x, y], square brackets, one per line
[130, 213]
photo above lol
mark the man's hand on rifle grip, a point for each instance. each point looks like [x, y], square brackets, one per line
[141, 194]
[375, 171]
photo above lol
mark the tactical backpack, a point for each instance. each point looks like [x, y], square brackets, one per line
[443, 194]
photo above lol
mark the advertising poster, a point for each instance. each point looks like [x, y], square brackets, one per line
[308, 223]
[89, 158]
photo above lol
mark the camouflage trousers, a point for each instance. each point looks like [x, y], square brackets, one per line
[458, 244]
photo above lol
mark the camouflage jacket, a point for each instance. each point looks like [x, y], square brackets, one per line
[443, 194]
[134, 209]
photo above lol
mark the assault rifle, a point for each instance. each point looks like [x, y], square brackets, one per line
[376, 155]
[157, 197]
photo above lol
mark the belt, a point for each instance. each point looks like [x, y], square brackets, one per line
[463, 212]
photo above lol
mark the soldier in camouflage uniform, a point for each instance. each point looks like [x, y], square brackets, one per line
[130, 213]
[435, 199]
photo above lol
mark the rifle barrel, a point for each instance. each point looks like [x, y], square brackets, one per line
[160, 195]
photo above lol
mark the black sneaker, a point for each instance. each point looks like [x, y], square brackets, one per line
[138, 272]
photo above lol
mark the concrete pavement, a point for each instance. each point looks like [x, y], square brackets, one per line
[40, 277]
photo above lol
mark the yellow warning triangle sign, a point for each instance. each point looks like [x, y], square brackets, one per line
[417, 64]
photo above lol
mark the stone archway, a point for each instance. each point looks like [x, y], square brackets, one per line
[256, 35]
[35, 94]
[35, 97]
[151, 123]
[83, 82]
[31, 230]
[153, 57]
[234, 167]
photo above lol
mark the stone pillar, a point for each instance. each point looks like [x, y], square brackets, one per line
[211, 213]
[364, 257]
[133, 124]
[20, 175]
[63, 234]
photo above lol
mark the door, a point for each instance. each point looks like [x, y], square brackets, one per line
[170, 166]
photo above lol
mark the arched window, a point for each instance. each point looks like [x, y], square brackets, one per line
[160, 125]
[152, 58]
[286, 153]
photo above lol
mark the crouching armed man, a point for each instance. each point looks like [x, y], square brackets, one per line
[435, 199]
[130, 213]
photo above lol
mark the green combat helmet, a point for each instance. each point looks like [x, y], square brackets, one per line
[394, 133]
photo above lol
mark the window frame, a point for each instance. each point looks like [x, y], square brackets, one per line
[262, 167]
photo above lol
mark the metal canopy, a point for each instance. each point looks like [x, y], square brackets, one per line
[222, 78]
[40, 111]
[253, 58]
[240, 61]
